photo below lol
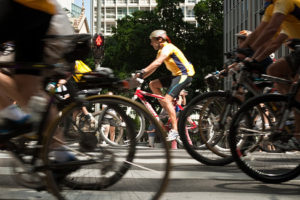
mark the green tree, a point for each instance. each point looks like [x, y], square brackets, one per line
[205, 43]
[129, 48]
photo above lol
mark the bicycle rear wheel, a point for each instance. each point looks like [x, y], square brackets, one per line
[198, 127]
[257, 155]
[101, 166]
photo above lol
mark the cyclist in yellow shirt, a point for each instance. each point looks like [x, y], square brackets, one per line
[182, 72]
[285, 15]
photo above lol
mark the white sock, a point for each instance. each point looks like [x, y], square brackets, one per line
[13, 112]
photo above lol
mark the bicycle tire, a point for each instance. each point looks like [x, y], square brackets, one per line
[132, 174]
[118, 132]
[202, 149]
[138, 118]
[266, 166]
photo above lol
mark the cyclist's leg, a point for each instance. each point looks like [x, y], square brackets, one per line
[155, 86]
[112, 130]
[281, 69]
[286, 68]
[178, 83]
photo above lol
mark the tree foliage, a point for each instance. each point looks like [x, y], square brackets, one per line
[129, 48]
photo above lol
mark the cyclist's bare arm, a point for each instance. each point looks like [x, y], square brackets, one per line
[154, 65]
[150, 72]
[251, 38]
[269, 32]
[264, 52]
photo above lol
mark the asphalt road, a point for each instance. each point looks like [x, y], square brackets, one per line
[189, 180]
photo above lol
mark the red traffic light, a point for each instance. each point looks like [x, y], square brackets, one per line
[99, 41]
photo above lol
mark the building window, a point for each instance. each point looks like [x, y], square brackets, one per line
[121, 1]
[144, 1]
[132, 10]
[133, 1]
[110, 1]
[110, 13]
[76, 10]
[122, 12]
[109, 27]
[190, 13]
[191, 1]
[145, 8]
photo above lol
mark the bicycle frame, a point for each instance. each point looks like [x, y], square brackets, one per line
[242, 80]
[141, 95]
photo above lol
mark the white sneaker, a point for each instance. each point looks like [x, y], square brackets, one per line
[172, 135]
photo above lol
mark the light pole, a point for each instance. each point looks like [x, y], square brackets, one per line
[98, 16]
[98, 30]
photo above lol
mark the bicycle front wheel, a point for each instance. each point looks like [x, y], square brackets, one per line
[198, 127]
[126, 170]
[254, 136]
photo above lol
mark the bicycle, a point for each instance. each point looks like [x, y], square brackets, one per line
[213, 112]
[140, 94]
[274, 164]
[37, 153]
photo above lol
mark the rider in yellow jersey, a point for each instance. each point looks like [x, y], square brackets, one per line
[278, 39]
[176, 61]
[291, 10]
[285, 15]
[182, 72]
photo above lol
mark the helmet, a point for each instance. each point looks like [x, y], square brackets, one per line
[159, 33]
[243, 34]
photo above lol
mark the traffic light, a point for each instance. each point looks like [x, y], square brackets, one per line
[98, 47]
[99, 41]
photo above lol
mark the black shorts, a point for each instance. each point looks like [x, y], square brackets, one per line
[109, 121]
[175, 84]
[293, 60]
[26, 27]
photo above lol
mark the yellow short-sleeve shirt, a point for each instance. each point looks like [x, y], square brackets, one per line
[290, 8]
[176, 62]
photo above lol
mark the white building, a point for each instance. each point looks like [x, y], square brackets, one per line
[112, 10]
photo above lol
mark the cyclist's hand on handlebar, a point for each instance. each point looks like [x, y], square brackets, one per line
[252, 65]
[134, 81]
[248, 59]
[139, 73]
[223, 73]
